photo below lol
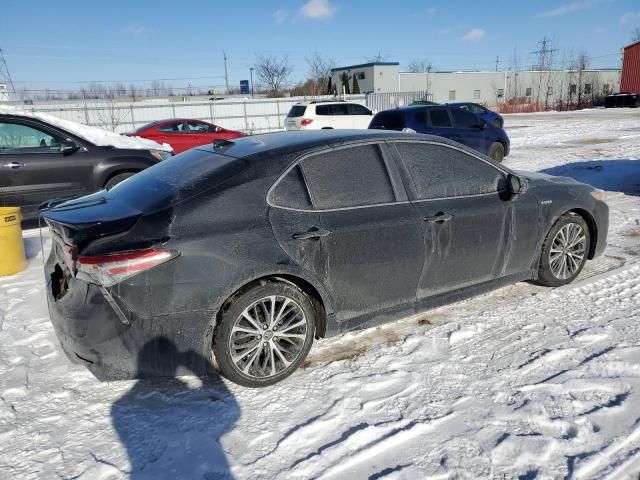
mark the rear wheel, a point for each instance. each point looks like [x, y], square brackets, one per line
[564, 251]
[497, 151]
[264, 335]
[116, 179]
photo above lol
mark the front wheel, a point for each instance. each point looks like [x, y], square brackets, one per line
[116, 179]
[564, 251]
[496, 152]
[265, 334]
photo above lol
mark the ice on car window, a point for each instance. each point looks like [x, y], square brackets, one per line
[291, 191]
[439, 171]
[348, 177]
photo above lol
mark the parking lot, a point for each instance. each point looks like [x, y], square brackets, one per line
[527, 381]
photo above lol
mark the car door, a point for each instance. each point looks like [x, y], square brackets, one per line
[439, 123]
[469, 130]
[371, 244]
[175, 134]
[465, 214]
[34, 169]
[360, 115]
[341, 117]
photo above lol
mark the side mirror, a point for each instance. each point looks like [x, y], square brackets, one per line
[218, 129]
[516, 185]
[67, 148]
[481, 124]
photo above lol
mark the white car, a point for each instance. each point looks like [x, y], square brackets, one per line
[323, 115]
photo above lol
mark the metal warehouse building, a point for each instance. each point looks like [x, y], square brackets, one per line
[630, 77]
[483, 87]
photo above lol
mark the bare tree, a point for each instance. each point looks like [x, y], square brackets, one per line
[273, 72]
[635, 34]
[320, 67]
[420, 66]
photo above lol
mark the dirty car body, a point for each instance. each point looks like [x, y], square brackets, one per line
[369, 224]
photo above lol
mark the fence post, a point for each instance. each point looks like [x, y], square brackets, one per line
[133, 122]
[173, 109]
[278, 105]
[246, 122]
[86, 113]
[211, 111]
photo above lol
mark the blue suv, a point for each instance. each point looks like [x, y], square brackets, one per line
[454, 123]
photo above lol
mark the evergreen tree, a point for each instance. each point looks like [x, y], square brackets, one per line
[344, 78]
[356, 86]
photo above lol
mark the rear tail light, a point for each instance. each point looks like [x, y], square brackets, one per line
[306, 121]
[107, 270]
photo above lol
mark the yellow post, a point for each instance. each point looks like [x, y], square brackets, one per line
[11, 247]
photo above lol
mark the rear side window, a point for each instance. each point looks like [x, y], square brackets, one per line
[332, 109]
[464, 119]
[439, 171]
[420, 117]
[297, 111]
[348, 177]
[355, 109]
[291, 191]
[439, 117]
[388, 121]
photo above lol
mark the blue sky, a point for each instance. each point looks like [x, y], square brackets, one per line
[54, 45]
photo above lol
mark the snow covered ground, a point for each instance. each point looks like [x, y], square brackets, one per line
[526, 382]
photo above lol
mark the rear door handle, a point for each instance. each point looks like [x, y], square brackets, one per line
[313, 232]
[439, 218]
[13, 165]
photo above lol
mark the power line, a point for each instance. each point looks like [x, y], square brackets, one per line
[5, 76]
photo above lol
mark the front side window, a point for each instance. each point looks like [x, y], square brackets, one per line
[348, 177]
[439, 117]
[477, 108]
[464, 119]
[18, 138]
[440, 171]
[197, 127]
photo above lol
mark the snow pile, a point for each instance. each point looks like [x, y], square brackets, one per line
[525, 382]
[97, 136]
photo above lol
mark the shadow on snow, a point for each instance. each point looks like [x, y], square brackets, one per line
[612, 175]
[169, 429]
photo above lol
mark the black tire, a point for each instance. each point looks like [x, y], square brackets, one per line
[496, 152]
[116, 179]
[546, 275]
[222, 337]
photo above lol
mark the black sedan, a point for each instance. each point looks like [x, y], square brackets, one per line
[39, 161]
[239, 254]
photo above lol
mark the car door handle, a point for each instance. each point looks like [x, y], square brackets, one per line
[13, 165]
[314, 232]
[439, 218]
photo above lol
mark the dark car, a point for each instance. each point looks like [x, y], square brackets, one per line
[40, 161]
[183, 134]
[484, 113]
[244, 252]
[453, 123]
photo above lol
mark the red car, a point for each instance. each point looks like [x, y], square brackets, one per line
[183, 134]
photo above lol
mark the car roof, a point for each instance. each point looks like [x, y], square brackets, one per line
[325, 102]
[293, 142]
[413, 108]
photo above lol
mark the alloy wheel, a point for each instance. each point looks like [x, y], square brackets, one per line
[568, 250]
[268, 336]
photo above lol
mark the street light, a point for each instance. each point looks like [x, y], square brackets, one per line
[251, 76]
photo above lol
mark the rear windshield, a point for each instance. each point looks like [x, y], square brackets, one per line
[388, 121]
[297, 111]
[175, 179]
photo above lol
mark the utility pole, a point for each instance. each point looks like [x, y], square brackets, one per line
[5, 76]
[251, 75]
[226, 77]
[497, 62]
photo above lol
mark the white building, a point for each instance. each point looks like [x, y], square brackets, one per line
[4, 93]
[494, 87]
[376, 77]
